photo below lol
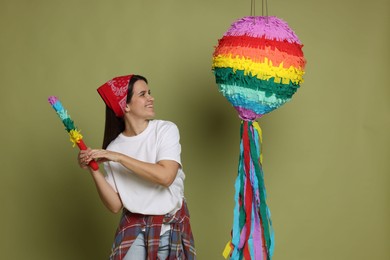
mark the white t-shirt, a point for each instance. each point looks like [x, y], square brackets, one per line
[159, 141]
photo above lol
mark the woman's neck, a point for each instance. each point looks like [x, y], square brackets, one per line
[135, 128]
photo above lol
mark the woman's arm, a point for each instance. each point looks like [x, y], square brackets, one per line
[107, 194]
[163, 172]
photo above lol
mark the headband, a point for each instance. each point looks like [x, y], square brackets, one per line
[114, 93]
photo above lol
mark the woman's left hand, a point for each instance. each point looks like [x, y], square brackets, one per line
[102, 155]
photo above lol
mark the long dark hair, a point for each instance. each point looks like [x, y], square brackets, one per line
[115, 125]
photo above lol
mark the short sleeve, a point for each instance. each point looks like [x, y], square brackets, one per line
[169, 147]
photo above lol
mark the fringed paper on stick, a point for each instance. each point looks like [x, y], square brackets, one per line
[74, 134]
[258, 66]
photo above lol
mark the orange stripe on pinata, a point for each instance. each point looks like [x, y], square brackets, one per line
[259, 54]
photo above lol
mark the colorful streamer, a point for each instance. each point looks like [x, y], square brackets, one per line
[74, 134]
[252, 234]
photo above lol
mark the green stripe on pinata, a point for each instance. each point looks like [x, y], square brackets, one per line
[228, 76]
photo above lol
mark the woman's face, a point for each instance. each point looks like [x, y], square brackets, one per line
[141, 104]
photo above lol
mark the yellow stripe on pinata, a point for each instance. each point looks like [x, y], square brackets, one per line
[263, 71]
[75, 137]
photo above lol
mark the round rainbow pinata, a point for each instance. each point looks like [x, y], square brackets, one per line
[258, 65]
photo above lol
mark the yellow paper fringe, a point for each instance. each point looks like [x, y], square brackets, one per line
[75, 137]
[263, 71]
[228, 249]
[258, 128]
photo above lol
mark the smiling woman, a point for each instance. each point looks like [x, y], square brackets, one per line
[143, 175]
[141, 105]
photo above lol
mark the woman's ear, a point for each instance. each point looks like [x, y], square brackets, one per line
[127, 108]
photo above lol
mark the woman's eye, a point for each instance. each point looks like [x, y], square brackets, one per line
[144, 93]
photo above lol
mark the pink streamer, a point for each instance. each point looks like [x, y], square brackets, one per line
[257, 240]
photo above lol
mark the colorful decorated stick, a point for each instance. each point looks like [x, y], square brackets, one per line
[258, 66]
[74, 133]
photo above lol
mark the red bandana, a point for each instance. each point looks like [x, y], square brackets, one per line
[114, 94]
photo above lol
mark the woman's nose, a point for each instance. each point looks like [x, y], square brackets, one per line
[150, 97]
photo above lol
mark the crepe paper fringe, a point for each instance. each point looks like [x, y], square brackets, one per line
[271, 101]
[228, 249]
[247, 114]
[258, 65]
[74, 134]
[263, 70]
[250, 101]
[75, 137]
[252, 232]
[260, 55]
[267, 88]
[270, 27]
[261, 44]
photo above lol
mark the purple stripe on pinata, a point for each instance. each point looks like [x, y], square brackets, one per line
[271, 27]
[246, 114]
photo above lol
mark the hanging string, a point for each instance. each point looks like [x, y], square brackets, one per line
[253, 8]
[264, 6]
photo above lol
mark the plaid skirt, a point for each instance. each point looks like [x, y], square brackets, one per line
[181, 239]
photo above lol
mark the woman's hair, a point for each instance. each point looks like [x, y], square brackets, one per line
[115, 125]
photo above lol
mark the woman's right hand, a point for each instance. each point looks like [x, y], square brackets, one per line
[84, 158]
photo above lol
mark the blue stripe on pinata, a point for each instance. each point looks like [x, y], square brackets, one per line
[238, 100]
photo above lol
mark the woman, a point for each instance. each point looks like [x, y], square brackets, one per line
[144, 176]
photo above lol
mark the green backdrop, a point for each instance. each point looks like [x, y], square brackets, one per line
[325, 153]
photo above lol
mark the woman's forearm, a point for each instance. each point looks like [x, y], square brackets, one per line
[163, 172]
[107, 194]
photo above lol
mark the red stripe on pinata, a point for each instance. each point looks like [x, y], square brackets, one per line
[253, 42]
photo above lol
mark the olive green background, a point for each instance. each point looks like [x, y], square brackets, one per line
[326, 153]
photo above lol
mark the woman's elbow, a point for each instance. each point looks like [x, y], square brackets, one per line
[168, 175]
[115, 210]
[166, 182]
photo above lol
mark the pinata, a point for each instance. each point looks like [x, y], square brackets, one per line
[258, 66]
